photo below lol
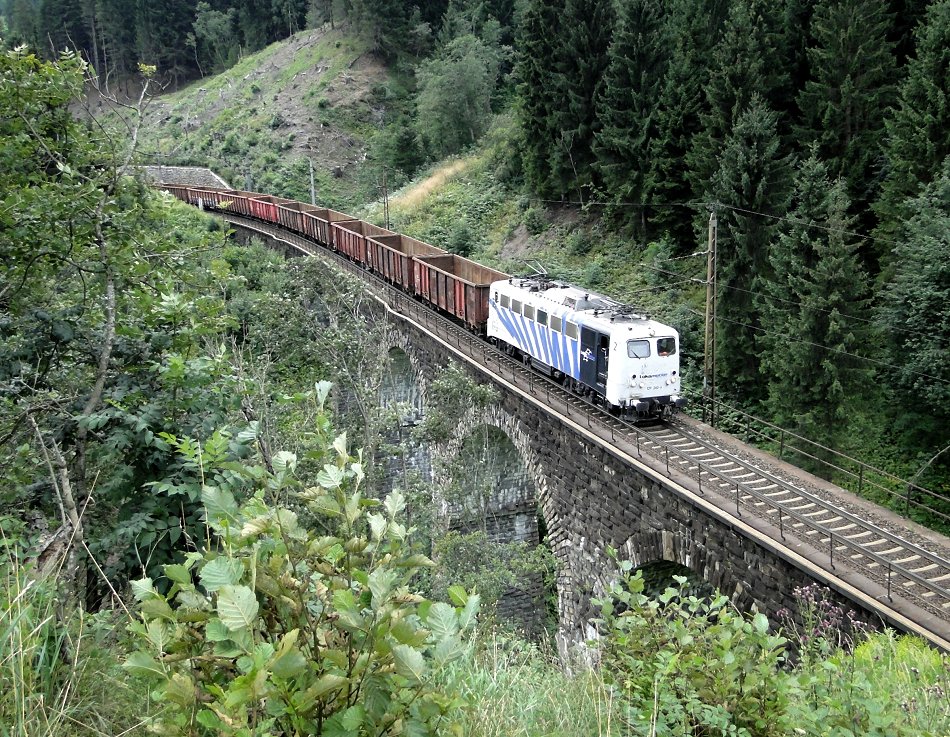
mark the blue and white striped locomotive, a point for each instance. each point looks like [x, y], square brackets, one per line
[592, 343]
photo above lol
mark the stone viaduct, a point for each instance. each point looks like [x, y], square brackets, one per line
[593, 495]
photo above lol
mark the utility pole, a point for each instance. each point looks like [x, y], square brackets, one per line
[313, 193]
[709, 373]
[385, 198]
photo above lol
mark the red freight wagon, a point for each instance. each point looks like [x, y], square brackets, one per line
[210, 197]
[176, 190]
[349, 237]
[457, 286]
[265, 207]
[391, 257]
[239, 201]
[324, 222]
[293, 215]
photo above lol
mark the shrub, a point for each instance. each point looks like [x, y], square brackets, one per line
[686, 665]
[534, 220]
[275, 628]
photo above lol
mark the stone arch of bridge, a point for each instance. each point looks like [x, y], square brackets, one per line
[498, 418]
[646, 548]
[401, 340]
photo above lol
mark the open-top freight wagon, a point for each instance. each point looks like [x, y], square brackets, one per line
[391, 256]
[457, 286]
[349, 238]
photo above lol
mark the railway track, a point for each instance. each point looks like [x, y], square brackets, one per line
[905, 570]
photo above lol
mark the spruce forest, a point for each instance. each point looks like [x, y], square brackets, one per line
[197, 531]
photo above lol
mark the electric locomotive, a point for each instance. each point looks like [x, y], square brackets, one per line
[594, 344]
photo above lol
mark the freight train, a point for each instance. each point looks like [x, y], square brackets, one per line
[597, 347]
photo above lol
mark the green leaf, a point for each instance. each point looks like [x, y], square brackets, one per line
[339, 445]
[220, 505]
[290, 664]
[215, 631]
[322, 389]
[458, 595]
[284, 461]
[330, 477]
[220, 572]
[442, 620]
[143, 589]
[409, 663]
[325, 684]
[761, 623]
[237, 607]
[416, 561]
[251, 433]
[178, 573]
[447, 650]
[469, 612]
[143, 664]
[180, 690]
[395, 503]
[353, 718]
[381, 582]
[377, 525]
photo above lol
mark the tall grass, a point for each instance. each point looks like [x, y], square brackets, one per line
[513, 688]
[59, 671]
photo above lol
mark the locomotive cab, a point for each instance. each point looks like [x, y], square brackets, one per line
[595, 345]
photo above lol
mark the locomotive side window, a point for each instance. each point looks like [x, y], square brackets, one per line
[556, 323]
[542, 317]
[570, 330]
[665, 346]
[529, 312]
[516, 306]
[505, 301]
[638, 348]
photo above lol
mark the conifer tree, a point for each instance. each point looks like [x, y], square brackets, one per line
[584, 31]
[915, 313]
[534, 68]
[918, 131]
[852, 75]
[747, 61]
[750, 188]
[628, 103]
[691, 33]
[811, 337]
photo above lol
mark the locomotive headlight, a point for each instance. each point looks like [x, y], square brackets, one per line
[641, 384]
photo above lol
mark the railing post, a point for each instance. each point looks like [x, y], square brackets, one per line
[831, 548]
[861, 481]
[667, 449]
[781, 523]
[738, 511]
[907, 501]
[889, 581]
[781, 445]
[638, 444]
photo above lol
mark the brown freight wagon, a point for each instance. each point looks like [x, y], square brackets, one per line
[349, 237]
[457, 286]
[323, 224]
[265, 207]
[211, 197]
[391, 257]
[237, 200]
[293, 215]
[179, 191]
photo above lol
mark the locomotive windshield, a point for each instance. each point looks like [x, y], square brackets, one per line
[665, 346]
[638, 348]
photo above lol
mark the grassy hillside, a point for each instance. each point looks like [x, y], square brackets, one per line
[316, 96]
